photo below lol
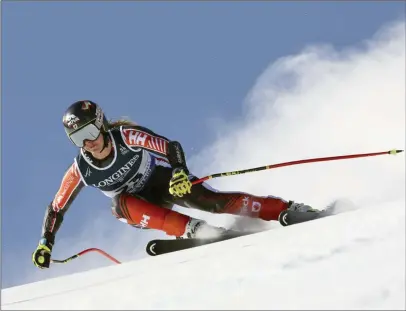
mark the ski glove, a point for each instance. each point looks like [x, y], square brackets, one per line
[42, 255]
[179, 184]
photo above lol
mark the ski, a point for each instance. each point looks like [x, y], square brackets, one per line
[163, 246]
[286, 218]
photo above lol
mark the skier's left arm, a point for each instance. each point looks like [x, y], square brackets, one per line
[179, 184]
[174, 151]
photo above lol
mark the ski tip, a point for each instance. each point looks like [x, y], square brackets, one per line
[151, 248]
[395, 151]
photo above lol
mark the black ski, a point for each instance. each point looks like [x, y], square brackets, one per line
[287, 217]
[162, 246]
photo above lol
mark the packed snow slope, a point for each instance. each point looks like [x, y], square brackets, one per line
[354, 260]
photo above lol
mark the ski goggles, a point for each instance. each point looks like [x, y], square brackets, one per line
[88, 132]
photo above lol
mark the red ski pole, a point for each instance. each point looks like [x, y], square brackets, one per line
[85, 252]
[267, 167]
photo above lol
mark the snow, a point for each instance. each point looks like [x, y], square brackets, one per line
[353, 260]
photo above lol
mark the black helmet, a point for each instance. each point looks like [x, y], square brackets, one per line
[84, 119]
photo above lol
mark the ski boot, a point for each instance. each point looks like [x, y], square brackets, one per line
[297, 213]
[200, 229]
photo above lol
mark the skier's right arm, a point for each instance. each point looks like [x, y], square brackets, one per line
[69, 188]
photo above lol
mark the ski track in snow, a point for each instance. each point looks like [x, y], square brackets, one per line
[327, 263]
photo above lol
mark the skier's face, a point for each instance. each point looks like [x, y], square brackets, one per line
[93, 146]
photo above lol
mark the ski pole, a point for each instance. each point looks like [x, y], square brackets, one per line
[267, 167]
[85, 252]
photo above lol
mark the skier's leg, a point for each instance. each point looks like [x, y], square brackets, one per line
[140, 213]
[205, 197]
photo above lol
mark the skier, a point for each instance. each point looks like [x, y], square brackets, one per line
[144, 174]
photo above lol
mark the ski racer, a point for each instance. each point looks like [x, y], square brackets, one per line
[144, 174]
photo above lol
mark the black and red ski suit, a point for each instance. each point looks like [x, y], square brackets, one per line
[136, 176]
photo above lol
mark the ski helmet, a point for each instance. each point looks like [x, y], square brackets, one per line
[84, 120]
